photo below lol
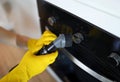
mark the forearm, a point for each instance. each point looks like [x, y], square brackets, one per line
[7, 37]
[22, 41]
[11, 38]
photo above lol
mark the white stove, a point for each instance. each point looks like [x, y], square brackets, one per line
[97, 57]
[102, 13]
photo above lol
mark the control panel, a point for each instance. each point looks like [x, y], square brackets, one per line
[92, 45]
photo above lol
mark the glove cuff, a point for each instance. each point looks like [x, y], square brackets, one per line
[31, 43]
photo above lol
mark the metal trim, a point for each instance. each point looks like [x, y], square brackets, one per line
[55, 76]
[86, 68]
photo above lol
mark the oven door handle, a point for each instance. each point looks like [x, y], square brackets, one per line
[86, 68]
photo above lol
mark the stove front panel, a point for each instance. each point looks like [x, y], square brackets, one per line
[94, 59]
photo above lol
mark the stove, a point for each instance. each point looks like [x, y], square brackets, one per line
[97, 57]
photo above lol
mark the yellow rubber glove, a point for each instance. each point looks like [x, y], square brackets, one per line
[31, 64]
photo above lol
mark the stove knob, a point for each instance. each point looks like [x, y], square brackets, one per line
[77, 38]
[114, 58]
[52, 20]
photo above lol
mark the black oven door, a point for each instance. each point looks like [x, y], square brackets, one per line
[95, 59]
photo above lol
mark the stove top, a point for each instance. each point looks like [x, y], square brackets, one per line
[102, 13]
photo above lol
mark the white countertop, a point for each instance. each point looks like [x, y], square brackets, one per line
[102, 13]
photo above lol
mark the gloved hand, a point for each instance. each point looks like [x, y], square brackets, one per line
[31, 64]
[45, 39]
